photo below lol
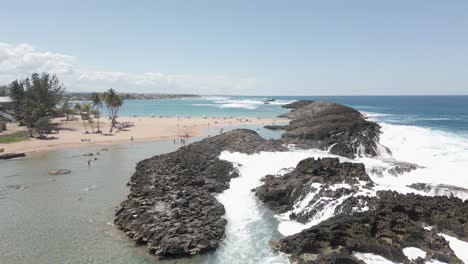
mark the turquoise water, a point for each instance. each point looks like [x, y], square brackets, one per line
[448, 113]
[68, 218]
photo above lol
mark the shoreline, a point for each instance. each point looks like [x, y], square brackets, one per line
[144, 129]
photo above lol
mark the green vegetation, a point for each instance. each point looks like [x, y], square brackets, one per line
[87, 111]
[96, 103]
[67, 110]
[79, 109]
[3, 90]
[36, 98]
[14, 137]
[113, 102]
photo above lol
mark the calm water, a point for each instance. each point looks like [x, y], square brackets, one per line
[68, 218]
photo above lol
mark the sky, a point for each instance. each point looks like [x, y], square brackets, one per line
[359, 47]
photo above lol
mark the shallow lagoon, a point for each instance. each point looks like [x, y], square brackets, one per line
[69, 218]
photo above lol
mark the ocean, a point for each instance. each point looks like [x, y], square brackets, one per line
[446, 113]
[68, 219]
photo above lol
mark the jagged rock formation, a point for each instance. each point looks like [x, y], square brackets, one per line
[392, 222]
[441, 189]
[396, 168]
[171, 208]
[326, 125]
[312, 183]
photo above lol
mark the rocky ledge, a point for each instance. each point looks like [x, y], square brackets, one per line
[326, 125]
[171, 207]
[441, 190]
[392, 222]
[312, 185]
[382, 223]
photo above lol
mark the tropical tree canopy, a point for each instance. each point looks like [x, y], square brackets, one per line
[113, 102]
[3, 90]
[35, 97]
[96, 102]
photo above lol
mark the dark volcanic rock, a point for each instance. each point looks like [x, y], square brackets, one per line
[171, 208]
[441, 189]
[396, 168]
[326, 125]
[280, 194]
[393, 222]
[297, 104]
[276, 127]
[11, 156]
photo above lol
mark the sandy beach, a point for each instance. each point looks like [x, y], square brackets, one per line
[72, 133]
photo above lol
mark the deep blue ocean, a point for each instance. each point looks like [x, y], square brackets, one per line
[446, 113]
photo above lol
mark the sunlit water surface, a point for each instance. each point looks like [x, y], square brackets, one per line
[69, 218]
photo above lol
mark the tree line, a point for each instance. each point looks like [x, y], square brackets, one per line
[39, 98]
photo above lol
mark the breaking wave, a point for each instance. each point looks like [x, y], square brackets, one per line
[440, 155]
[250, 103]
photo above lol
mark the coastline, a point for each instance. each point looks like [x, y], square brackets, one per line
[144, 129]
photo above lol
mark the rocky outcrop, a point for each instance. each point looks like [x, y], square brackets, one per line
[171, 207]
[441, 190]
[12, 156]
[392, 222]
[325, 125]
[394, 168]
[312, 185]
[297, 104]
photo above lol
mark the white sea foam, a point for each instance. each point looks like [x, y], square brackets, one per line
[372, 258]
[373, 115]
[246, 103]
[443, 155]
[258, 165]
[213, 98]
[458, 246]
[413, 253]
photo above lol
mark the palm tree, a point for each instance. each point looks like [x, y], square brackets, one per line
[113, 103]
[86, 107]
[66, 109]
[96, 102]
[79, 109]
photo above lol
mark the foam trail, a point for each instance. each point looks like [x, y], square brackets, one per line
[372, 258]
[459, 247]
[250, 225]
[413, 253]
[442, 154]
[246, 104]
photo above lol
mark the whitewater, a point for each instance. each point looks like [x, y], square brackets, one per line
[442, 157]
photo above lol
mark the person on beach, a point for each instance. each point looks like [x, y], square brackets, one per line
[89, 163]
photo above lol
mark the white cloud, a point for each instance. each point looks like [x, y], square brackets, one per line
[19, 61]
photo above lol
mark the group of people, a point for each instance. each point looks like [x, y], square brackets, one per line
[182, 141]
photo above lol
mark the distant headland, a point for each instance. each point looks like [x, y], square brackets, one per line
[86, 96]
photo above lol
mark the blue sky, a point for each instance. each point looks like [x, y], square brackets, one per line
[241, 47]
